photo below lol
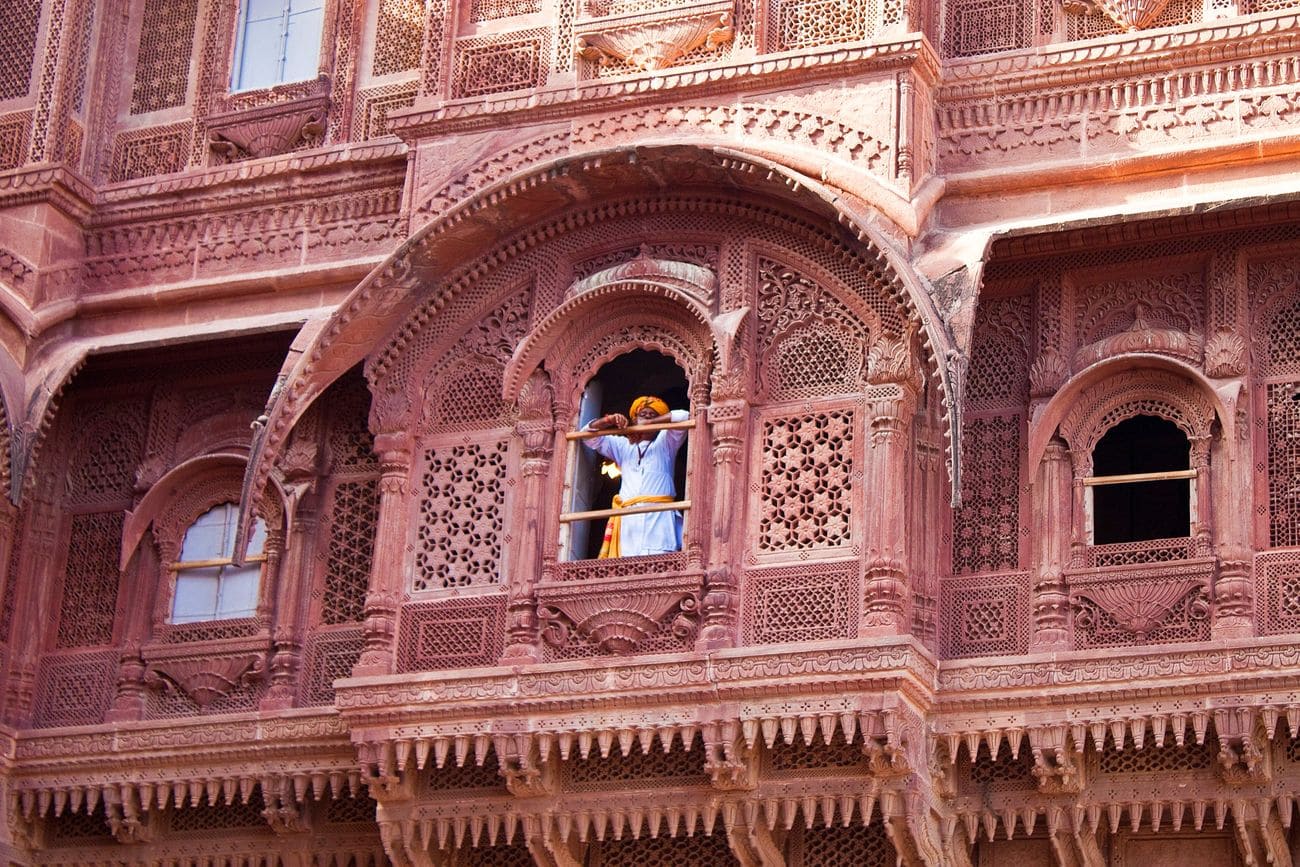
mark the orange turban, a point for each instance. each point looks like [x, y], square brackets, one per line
[641, 403]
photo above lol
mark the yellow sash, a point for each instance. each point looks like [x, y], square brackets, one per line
[609, 547]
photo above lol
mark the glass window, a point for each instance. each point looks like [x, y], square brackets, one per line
[1142, 486]
[278, 41]
[208, 585]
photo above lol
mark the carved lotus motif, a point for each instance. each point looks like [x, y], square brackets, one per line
[616, 624]
[1127, 14]
[655, 45]
[208, 679]
[1138, 608]
[1142, 336]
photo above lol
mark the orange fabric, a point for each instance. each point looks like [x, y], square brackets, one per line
[609, 546]
[641, 403]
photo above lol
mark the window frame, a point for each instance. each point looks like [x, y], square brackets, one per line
[283, 43]
[177, 567]
[566, 519]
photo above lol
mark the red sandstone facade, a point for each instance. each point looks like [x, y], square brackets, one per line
[916, 269]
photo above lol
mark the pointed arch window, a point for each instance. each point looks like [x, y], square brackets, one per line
[209, 586]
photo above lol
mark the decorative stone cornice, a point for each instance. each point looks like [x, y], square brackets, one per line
[299, 754]
[597, 98]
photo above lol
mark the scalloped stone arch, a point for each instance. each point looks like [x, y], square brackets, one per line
[1087, 407]
[469, 231]
[186, 491]
[662, 305]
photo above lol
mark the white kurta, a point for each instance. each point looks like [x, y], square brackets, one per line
[647, 471]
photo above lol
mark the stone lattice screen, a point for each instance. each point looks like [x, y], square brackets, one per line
[103, 450]
[344, 543]
[19, 22]
[162, 67]
[981, 604]
[1276, 353]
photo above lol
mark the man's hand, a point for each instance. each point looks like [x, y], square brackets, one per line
[608, 422]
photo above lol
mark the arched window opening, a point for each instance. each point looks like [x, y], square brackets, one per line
[1142, 486]
[594, 480]
[208, 584]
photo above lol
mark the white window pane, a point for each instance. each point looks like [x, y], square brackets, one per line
[302, 45]
[260, 10]
[196, 595]
[258, 63]
[256, 539]
[206, 537]
[239, 592]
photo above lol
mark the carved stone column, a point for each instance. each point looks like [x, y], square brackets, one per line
[720, 603]
[384, 597]
[536, 431]
[34, 611]
[886, 593]
[1234, 588]
[1200, 461]
[1051, 515]
[294, 577]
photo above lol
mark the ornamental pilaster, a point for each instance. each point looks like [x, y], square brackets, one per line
[886, 593]
[384, 596]
[292, 579]
[719, 604]
[536, 432]
[1051, 514]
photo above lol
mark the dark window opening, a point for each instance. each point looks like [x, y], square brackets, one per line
[612, 389]
[1141, 510]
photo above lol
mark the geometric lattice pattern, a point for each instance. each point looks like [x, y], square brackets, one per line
[352, 517]
[451, 633]
[399, 33]
[801, 757]
[88, 602]
[488, 10]
[805, 487]
[985, 616]
[370, 119]
[328, 656]
[494, 65]
[982, 26]
[637, 768]
[18, 24]
[74, 689]
[986, 529]
[1277, 592]
[1156, 760]
[1283, 465]
[470, 396]
[162, 68]
[15, 138]
[152, 151]
[460, 520]
[105, 466]
[810, 23]
[710, 849]
[219, 817]
[799, 604]
[837, 846]
[1007, 771]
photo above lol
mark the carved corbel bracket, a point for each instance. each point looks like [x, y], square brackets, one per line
[654, 45]
[269, 129]
[1058, 762]
[617, 616]
[526, 767]
[1138, 608]
[732, 764]
[1244, 754]
[206, 679]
